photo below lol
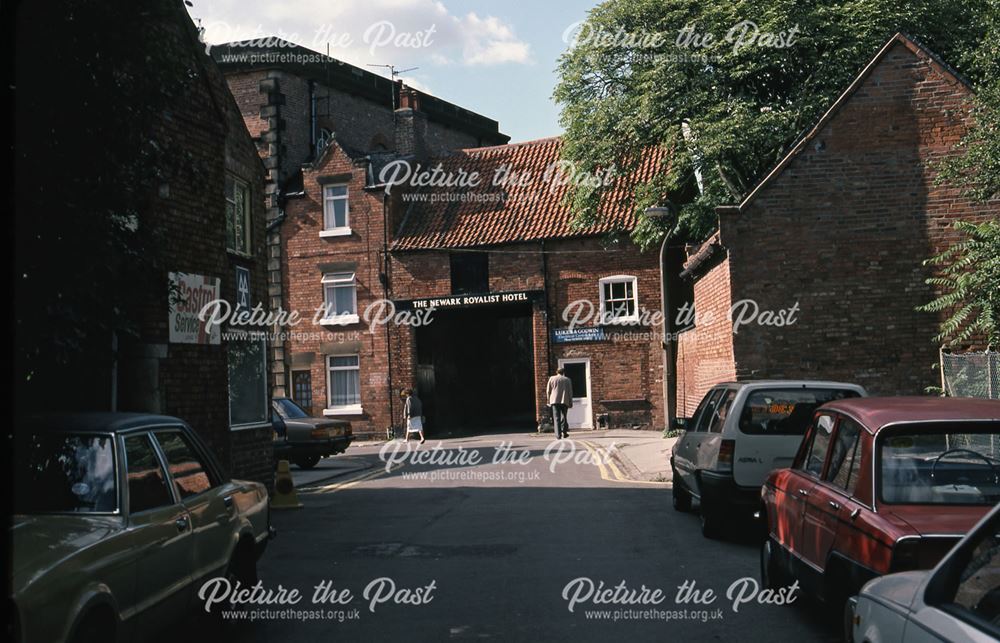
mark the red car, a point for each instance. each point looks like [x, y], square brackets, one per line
[879, 485]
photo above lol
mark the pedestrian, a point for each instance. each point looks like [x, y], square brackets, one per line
[413, 411]
[560, 394]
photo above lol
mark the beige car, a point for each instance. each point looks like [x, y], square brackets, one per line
[119, 519]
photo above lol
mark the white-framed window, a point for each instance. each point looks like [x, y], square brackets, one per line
[340, 298]
[336, 211]
[237, 215]
[248, 399]
[343, 383]
[619, 299]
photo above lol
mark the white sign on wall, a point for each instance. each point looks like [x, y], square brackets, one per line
[188, 295]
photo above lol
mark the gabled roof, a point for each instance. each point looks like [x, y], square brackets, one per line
[528, 210]
[898, 39]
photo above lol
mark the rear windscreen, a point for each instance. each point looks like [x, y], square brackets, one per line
[785, 411]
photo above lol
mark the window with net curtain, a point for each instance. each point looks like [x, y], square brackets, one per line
[344, 381]
[340, 295]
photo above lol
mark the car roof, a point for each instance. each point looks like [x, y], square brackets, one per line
[877, 412]
[789, 384]
[97, 422]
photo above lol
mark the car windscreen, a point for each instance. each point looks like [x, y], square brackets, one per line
[65, 473]
[289, 410]
[956, 464]
[785, 411]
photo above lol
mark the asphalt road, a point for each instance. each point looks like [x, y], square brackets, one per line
[489, 550]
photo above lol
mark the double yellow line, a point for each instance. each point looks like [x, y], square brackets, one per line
[601, 457]
[351, 482]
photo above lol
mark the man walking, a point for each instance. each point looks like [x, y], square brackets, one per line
[560, 394]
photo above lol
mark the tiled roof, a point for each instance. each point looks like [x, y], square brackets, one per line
[526, 210]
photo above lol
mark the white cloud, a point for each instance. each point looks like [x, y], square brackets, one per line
[405, 33]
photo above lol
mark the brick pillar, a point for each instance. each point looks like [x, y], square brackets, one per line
[541, 357]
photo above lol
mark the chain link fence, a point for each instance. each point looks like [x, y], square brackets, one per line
[971, 374]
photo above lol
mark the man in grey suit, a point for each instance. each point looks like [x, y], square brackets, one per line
[560, 395]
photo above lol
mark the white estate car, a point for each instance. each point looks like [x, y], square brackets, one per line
[739, 433]
[958, 601]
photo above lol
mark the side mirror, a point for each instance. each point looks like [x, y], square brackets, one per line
[680, 424]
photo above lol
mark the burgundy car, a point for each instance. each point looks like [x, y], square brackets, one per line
[879, 485]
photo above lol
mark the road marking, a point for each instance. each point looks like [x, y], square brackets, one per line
[618, 475]
[351, 482]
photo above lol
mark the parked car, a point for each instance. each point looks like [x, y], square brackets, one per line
[739, 433]
[959, 601]
[879, 485]
[119, 518]
[304, 440]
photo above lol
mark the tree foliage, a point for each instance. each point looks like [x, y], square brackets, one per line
[977, 163]
[729, 111]
[969, 283]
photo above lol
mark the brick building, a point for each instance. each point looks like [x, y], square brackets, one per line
[497, 264]
[296, 104]
[834, 237]
[213, 224]
[508, 272]
[190, 230]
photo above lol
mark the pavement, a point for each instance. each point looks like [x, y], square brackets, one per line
[639, 455]
[501, 537]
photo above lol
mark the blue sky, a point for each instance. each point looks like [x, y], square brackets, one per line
[493, 57]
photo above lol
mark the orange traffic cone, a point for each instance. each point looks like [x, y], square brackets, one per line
[284, 489]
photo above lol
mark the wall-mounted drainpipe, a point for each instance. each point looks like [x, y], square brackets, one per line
[384, 278]
[313, 142]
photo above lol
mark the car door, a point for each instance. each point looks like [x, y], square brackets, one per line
[687, 447]
[828, 505]
[159, 535]
[207, 498]
[797, 485]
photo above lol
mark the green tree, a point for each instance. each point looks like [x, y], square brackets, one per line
[969, 283]
[727, 111]
[977, 165]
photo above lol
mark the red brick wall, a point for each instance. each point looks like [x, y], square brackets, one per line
[705, 351]
[843, 231]
[626, 372]
[303, 257]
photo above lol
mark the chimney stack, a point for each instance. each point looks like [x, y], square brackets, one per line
[411, 124]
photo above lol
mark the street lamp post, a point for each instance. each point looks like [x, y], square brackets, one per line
[668, 214]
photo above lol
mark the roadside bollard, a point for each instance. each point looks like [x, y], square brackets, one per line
[285, 496]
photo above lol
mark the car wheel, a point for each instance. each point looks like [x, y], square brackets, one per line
[682, 499]
[242, 569]
[307, 462]
[712, 522]
[771, 574]
[94, 628]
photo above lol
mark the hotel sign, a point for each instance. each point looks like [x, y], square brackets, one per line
[466, 301]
